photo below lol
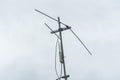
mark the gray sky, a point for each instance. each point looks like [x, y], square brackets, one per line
[27, 47]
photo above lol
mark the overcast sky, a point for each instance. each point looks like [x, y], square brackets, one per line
[27, 47]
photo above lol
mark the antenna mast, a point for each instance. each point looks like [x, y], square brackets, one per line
[62, 60]
[62, 51]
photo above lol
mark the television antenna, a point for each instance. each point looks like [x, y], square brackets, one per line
[61, 52]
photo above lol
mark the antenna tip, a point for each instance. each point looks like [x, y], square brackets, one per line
[35, 9]
[91, 54]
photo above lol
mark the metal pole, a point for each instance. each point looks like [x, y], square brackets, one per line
[61, 42]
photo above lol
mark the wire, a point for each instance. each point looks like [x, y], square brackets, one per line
[61, 71]
[59, 76]
[56, 58]
[81, 42]
[60, 62]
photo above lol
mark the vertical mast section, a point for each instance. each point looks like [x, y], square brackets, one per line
[62, 51]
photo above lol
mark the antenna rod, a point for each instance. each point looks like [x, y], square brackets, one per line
[81, 42]
[62, 52]
[51, 30]
[51, 18]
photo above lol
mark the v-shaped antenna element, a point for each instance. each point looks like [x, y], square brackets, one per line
[67, 27]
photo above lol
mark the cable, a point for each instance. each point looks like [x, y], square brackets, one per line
[59, 76]
[59, 58]
[81, 42]
[61, 71]
[56, 57]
